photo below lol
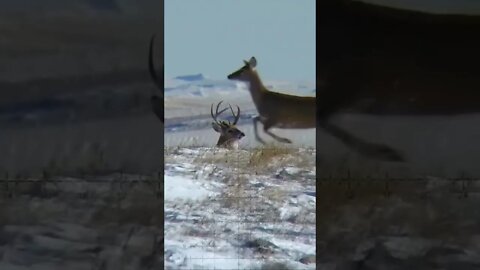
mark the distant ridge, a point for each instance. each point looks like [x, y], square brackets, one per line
[191, 78]
[197, 85]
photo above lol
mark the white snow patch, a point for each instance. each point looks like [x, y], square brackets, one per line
[183, 188]
[197, 258]
[293, 170]
[288, 211]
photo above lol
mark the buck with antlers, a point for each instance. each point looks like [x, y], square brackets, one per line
[155, 100]
[275, 109]
[230, 135]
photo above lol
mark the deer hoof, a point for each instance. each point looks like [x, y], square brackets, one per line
[283, 140]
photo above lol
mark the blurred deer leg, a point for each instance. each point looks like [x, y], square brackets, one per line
[256, 119]
[267, 125]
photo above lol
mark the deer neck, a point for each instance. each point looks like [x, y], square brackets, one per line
[222, 141]
[227, 143]
[256, 87]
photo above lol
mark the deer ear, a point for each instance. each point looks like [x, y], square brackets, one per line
[253, 62]
[216, 127]
[246, 63]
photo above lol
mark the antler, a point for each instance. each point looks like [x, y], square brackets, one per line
[151, 67]
[235, 116]
[217, 113]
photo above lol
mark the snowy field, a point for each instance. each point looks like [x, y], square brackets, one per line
[252, 208]
[239, 209]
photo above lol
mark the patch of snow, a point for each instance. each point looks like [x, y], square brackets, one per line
[293, 170]
[197, 258]
[183, 188]
[288, 211]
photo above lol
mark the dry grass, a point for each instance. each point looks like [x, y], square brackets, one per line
[129, 144]
[149, 213]
[258, 204]
[360, 209]
[274, 195]
[256, 160]
[345, 190]
[276, 266]
[21, 213]
[334, 196]
[236, 194]
[136, 202]
[236, 168]
[263, 157]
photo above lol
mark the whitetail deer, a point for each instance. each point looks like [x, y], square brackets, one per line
[275, 109]
[397, 62]
[230, 135]
[155, 100]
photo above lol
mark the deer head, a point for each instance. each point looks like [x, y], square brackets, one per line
[245, 72]
[229, 134]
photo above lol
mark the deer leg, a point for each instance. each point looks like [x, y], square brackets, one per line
[372, 150]
[267, 125]
[256, 119]
[329, 105]
[157, 106]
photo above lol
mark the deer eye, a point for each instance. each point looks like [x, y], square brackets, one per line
[230, 131]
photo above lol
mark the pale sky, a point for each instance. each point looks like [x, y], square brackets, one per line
[214, 36]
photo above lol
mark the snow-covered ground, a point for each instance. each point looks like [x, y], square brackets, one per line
[251, 208]
[239, 209]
